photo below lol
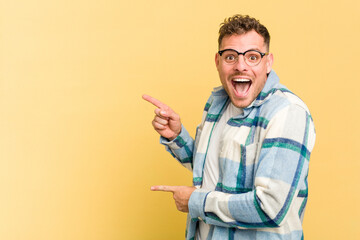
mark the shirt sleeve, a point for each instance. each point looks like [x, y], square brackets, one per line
[181, 148]
[280, 178]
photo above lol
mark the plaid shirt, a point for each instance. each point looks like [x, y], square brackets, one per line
[263, 160]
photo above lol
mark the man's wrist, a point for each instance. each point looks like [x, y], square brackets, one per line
[175, 136]
[197, 204]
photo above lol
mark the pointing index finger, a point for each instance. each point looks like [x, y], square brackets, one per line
[154, 101]
[163, 188]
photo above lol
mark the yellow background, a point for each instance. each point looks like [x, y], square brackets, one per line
[77, 150]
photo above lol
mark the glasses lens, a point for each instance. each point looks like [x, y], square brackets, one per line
[230, 56]
[252, 58]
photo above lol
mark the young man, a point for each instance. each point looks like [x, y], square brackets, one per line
[250, 156]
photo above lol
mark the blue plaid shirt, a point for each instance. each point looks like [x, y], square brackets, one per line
[263, 162]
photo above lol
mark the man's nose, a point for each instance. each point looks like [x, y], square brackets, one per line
[241, 65]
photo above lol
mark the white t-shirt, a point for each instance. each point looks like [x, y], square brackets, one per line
[211, 168]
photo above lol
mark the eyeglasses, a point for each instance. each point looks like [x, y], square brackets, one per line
[251, 57]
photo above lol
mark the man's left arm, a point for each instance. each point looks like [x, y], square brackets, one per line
[281, 168]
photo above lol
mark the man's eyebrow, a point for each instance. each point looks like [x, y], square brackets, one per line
[256, 49]
[250, 49]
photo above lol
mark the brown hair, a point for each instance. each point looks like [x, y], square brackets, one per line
[240, 24]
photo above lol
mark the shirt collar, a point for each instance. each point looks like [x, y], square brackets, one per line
[270, 86]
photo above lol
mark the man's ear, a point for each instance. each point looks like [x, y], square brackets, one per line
[217, 59]
[269, 62]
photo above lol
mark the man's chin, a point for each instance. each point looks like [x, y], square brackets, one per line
[241, 103]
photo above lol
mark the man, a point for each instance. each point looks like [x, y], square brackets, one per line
[250, 156]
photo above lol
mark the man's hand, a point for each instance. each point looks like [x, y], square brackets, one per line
[181, 195]
[166, 122]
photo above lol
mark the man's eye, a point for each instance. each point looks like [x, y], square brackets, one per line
[253, 57]
[230, 58]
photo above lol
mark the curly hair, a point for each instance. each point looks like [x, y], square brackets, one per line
[240, 24]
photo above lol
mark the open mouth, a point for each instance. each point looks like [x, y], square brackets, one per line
[241, 86]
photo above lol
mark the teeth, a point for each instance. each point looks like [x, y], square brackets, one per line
[241, 80]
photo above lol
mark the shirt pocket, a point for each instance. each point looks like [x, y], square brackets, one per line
[237, 166]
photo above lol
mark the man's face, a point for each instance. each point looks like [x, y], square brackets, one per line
[241, 82]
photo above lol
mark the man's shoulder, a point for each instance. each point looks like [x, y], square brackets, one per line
[275, 96]
[281, 99]
[283, 94]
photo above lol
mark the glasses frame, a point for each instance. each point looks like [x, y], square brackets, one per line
[243, 53]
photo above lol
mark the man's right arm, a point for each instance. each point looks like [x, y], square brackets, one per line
[181, 148]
